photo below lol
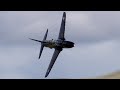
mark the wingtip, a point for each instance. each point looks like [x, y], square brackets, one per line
[39, 57]
[46, 75]
[29, 38]
[64, 13]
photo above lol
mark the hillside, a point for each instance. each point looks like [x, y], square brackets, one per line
[114, 75]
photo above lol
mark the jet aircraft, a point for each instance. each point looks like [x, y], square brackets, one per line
[58, 44]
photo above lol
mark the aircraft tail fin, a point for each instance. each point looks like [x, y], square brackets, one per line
[42, 45]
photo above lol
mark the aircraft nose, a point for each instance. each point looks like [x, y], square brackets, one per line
[73, 45]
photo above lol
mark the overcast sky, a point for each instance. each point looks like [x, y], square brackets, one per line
[96, 35]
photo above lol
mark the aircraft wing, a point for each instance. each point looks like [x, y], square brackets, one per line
[55, 55]
[62, 28]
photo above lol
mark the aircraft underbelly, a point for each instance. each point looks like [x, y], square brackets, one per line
[50, 45]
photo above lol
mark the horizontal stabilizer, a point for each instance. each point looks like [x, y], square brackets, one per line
[42, 45]
[41, 49]
[35, 40]
[45, 35]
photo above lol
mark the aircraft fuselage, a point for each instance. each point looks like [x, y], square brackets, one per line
[58, 43]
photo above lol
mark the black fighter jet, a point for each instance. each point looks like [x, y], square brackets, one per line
[58, 44]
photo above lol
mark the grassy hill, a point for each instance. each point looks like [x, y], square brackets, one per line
[114, 75]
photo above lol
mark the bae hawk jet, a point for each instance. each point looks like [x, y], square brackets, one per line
[58, 44]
